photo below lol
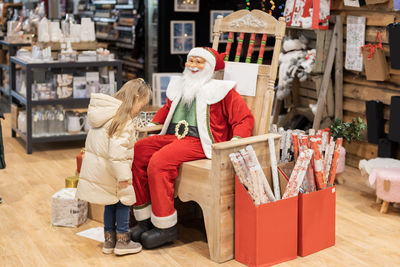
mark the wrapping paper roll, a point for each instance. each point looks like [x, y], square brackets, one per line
[336, 154]
[246, 172]
[325, 136]
[288, 146]
[274, 168]
[318, 164]
[328, 157]
[299, 171]
[308, 184]
[295, 139]
[265, 185]
[258, 190]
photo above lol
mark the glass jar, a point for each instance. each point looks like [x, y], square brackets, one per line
[51, 120]
[59, 120]
[22, 121]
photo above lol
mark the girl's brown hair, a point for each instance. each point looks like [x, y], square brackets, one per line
[132, 93]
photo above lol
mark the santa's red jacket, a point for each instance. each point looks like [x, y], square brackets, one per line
[220, 111]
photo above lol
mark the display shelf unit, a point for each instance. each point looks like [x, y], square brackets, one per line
[12, 50]
[65, 67]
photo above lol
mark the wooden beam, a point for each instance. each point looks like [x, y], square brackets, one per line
[339, 69]
[325, 80]
[360, 80]
[308, 93]
[362, 149]
[367, 93]
[352, 160]
[385, 7]
[373, 19]
[358, 106]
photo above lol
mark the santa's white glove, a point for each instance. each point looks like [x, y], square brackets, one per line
[235, 138]
[150, 124]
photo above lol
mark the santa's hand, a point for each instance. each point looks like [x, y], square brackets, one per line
[150, 124]
[235, 138]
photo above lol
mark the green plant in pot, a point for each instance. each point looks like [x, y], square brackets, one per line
[350, 131]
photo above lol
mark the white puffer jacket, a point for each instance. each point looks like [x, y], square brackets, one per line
[107, 160]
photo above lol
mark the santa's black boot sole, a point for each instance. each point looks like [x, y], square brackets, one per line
[140, 228]
[157, 237]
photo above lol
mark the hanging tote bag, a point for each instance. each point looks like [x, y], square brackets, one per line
[376, 67]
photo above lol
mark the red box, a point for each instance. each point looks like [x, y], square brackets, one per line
[316, 221]
[267, 234]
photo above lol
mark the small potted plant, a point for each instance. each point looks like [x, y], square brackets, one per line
[350, 131]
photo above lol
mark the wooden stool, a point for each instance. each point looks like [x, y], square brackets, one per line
[387, 183]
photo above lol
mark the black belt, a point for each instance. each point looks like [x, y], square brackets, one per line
[180, 131]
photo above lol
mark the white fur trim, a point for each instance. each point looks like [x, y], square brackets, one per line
[174, 104]
[142, 214]
[164, 222]
[204, 53]
[211, 93]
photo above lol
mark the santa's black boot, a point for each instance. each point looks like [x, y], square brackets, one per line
[140, 228]
[157, 237]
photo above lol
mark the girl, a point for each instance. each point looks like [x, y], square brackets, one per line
[106, 176]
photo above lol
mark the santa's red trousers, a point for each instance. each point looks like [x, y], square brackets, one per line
[155, 167]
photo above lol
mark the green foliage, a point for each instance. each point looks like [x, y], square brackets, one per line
[351, 131]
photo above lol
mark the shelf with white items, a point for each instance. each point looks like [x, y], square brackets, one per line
[29, 103]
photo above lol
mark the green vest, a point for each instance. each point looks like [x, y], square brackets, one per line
[182, 112]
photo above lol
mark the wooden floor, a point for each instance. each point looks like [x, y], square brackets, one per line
[364, 237]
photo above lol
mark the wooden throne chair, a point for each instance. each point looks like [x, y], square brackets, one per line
[210, 183]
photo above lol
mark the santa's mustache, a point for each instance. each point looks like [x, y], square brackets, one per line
[193, 69]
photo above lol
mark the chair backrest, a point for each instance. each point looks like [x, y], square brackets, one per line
[254, 23]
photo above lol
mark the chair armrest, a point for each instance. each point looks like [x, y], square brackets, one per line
[222, 170]
[149, 129]
[240, 143]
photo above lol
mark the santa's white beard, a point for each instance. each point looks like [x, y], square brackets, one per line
[193, 83]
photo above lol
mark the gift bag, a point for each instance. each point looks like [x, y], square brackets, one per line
[307, 13]
[376, 67]
[394, 44]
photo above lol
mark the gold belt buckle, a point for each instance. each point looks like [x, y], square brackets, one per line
[178, 126]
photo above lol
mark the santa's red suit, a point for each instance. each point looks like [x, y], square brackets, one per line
[221, 114]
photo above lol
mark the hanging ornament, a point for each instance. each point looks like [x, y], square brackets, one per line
[263, 5]
[272, 6]
[247, 4]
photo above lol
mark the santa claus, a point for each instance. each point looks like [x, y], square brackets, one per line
[199, 111]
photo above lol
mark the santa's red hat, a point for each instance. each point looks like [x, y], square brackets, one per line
[215, 59]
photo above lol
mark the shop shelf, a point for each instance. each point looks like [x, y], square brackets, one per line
[67, 102]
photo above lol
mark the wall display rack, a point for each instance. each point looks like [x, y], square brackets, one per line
[29, 103]
[116, 22]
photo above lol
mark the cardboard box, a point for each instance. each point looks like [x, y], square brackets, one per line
[96, 212]
[316, 221]
[266, 234]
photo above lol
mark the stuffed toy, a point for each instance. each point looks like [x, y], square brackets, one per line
[295, 61]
